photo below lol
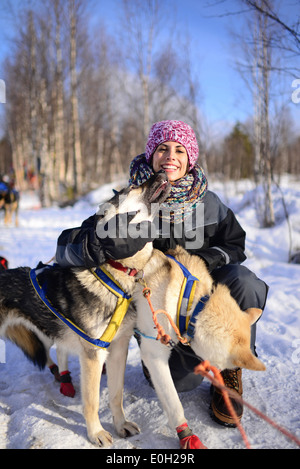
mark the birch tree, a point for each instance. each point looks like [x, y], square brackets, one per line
[263, 67]
[142, 19]
[288, 39]
[58, 97]
[75, 159]
[256, 69]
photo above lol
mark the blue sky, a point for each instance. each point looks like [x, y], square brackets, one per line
[225, 98]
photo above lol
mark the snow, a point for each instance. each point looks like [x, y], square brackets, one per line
[33, 413]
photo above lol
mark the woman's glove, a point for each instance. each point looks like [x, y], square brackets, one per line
[213, 258]
[120, 239]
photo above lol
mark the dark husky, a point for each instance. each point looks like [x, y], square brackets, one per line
[9, 201]
[79, 296]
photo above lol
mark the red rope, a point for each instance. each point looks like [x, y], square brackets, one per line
[204, 368]
[236, 396]
[161, 334]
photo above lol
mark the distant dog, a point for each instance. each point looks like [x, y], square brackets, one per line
[9, 201]
[221, 330]
[92, 305]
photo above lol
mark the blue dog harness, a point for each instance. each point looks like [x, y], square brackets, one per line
[185, 321]
[123, 301]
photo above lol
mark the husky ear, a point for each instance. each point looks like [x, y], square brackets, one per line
[246, 359]
[254, 314]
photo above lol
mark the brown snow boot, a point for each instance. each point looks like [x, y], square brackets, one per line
[220, 413]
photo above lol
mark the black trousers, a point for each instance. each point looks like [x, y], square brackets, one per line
[249, 292]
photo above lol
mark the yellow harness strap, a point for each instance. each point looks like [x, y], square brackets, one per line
[122, 306]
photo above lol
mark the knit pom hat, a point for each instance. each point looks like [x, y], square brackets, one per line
[173, 131]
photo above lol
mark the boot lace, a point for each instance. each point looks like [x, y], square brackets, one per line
[231, 379]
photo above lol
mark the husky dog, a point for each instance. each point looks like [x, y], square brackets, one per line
[9, 201]
[79, 296]
[221, 330]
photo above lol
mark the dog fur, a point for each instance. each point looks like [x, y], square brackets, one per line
[78, 295]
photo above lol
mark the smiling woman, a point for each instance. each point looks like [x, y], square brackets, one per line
[165, 134]
[218, 238]
[215, 236]
[172, 158]
[172, 146]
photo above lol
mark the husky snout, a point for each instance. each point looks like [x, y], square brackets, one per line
[159, 187]
[141, 202]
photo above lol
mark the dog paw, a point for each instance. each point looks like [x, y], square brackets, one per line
[67, 389]
[66, 386]
[187, 439]
[102, 438]
[191, 442]
[127, 429]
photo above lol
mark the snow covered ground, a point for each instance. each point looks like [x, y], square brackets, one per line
[33, 413]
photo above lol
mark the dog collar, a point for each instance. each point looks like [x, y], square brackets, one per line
[127, 270]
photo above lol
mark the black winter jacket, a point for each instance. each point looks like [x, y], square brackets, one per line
[216, 237]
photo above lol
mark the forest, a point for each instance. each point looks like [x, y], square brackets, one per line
[80, 101]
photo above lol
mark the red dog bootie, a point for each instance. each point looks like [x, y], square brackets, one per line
[54, 370]
[66, 385]
[187, 439]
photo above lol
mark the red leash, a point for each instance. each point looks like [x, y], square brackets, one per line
[187, 439]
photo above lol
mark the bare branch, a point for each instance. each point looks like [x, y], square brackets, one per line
[267, 10]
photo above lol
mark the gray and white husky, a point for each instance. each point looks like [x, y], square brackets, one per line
[78, 295]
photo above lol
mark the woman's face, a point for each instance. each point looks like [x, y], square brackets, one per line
[172, 158]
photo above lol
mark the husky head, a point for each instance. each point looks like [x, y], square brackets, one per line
[144, 200]
[222, 332]
[141, 203]
[134, 204]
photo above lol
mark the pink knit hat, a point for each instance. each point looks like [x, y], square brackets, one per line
[173, 131]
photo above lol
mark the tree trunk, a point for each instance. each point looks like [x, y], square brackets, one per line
[269, 218]
[76, 145]
[262, 142]
[60, 170]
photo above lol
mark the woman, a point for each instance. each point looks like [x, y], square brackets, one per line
[196, 219]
